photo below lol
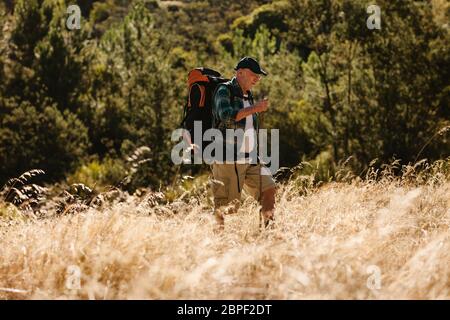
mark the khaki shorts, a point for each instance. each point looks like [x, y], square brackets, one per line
[225, 184]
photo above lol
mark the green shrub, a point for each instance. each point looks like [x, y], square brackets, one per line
[47, 139]
[9, 212]
[99, 173]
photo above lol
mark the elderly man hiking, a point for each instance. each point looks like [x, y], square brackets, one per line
[233, 108]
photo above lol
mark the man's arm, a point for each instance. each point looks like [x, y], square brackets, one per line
[222, 107]
[226, 112]
[261, 106]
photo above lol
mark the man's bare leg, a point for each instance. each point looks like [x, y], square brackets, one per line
[268, 205]
[220, 220]
[219, 213]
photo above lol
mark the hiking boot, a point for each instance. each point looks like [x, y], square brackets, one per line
[266, 222]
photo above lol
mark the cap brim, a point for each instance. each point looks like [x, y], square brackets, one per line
[261, 71]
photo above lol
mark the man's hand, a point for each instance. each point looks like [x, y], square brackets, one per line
[262, 105]
[194, 147]
[191, 146]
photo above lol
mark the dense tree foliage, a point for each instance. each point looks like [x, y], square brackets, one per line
[71, 100]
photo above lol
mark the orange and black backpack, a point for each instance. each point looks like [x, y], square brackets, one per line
[202, 83]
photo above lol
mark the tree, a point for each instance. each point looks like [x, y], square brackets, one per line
[139, 105]
[43, 138]
[40, 92]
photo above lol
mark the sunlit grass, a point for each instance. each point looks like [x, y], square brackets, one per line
[324, 245]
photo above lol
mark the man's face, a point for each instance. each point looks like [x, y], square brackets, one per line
[247, 78]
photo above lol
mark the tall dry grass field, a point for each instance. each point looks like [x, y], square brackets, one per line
[362, 239]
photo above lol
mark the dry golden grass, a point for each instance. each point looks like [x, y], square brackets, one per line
[324, 245]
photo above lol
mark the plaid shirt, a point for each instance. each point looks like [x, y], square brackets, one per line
[225, 109]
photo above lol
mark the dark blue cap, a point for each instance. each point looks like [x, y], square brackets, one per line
[252, 64]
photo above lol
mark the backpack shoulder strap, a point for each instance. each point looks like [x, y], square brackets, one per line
[250, 98]
[230, 90]
[196, 95]
[195, 99]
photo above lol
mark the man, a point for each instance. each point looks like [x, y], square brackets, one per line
[233, 108]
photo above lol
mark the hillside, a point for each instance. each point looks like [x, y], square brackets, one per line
[93, 203]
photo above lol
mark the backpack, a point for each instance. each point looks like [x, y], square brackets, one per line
[202, 83]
